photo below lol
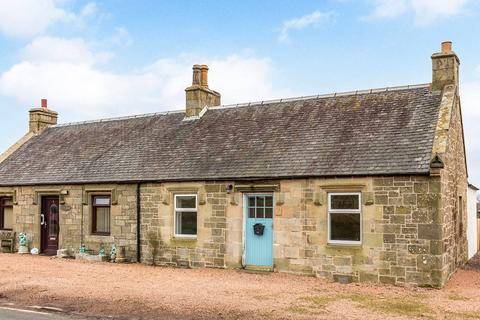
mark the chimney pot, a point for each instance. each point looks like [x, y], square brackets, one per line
[44, 103]
[204, 76]
[196, 75]
[446, 46]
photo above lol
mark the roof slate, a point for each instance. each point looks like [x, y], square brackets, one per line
[380, 133]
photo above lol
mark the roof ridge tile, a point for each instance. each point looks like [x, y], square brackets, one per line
[136, 116]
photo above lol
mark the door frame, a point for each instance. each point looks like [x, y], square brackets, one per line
[245, 196]
[41, 197]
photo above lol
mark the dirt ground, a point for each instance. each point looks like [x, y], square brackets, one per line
[134, 291]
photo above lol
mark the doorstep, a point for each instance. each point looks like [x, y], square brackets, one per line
[91, 257]
[258, 269]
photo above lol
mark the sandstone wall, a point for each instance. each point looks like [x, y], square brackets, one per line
[75, 216]
[401, 239]
[158, 243]
[404, 238]
[398, 243]
[454, 196]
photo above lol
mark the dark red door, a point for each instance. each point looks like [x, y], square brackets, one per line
[49, 221]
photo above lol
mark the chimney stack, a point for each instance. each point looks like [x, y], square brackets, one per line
[42, 118]
[198, 95]
[445, 67]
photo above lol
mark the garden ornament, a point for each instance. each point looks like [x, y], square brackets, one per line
[101, 252]
[22, 239]
[113, 253]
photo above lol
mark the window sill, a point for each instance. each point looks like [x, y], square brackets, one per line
[185, 242]
[101, 234]
[185, 238]
[344, 245]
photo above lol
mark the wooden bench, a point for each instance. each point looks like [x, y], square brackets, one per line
[7, 238]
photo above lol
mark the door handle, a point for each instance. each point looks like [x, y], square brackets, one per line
[42, 219]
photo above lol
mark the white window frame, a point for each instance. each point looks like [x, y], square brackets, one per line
[175, 210]
[248, 195]
[356, 211]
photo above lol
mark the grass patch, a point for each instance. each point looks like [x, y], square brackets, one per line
[356, 297]
[390, 305]
[470, 315]
[399, 306]
[311, 305]
[457, 297]
[404, 306]
[319, 301]
[298, 309]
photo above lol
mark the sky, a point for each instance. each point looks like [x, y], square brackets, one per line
[98, 59]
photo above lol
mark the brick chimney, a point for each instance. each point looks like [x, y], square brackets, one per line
[198, 95]
[42, 118]
[445, 67]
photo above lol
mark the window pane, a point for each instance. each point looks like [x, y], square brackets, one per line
[260, 201]
[186, 223]
[102, 201]
[260, 213]
[52, 222]
[251, 212]
[345, 226]
[186, 202]
[268, 213]
[7, 202]
[347, 201]
[103, 220]
[8, 218]
[251, 201]
[269, 201]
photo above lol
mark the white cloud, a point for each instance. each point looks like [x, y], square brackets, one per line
[79, 89]
[52, 49]
[424, 11]
[89, 9]
[389, 8]
[27, 18]
[313, 19]
[427, 11]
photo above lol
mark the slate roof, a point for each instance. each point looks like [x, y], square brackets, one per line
[381, 132]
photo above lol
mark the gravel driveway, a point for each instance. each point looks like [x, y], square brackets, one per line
[134, 291]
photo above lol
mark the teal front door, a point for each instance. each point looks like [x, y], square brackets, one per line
[259, 230]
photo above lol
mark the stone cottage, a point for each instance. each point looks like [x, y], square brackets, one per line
[368, 185]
